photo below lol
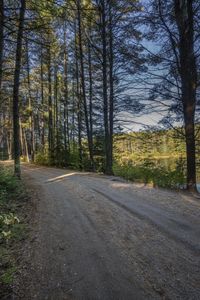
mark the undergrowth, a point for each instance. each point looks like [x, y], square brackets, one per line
[150, 173]
[12, 226]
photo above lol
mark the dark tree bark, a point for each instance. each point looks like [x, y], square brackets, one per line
[111, 100]
[79, 106]
[90, 98]
[42, 99]
[31, 115]
[66, 100]
[184, 16]
[56, 127]
[50, 106]
[108, 165]
[25, 144]
[89, 137]
[16, 133]
[1, 41]
[73, 114]
[9, 131]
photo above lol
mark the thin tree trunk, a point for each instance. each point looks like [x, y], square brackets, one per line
[9, 145]
[26, 145]
[1, 41]
[50, 121]
[73, 115]
[188, 72]
[90, 98]
[89, 137]
[80, 148]
[79, 116]
[108, 169]
[56, 112]
[42, 99]
[17, 170]
[1, 61]
[31, 116]
[9, 138]
[21, 138]
[111, 102]
[66, 101]
[4, 144]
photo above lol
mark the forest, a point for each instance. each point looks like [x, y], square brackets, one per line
[76, 75]
[99, 149]
[155, 157]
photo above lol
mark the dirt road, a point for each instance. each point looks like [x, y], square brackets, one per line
[98, 237]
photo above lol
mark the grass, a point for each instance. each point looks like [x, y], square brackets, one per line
[13, 228]
[8, 276]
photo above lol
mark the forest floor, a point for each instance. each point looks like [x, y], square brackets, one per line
[16, 211]
[99, 237]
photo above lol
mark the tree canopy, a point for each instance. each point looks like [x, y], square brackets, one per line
[70, 69]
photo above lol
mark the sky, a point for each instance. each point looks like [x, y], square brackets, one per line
[137, 123]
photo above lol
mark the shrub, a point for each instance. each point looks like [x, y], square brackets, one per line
[12, 228]
[149, 172]
[41, 158]
[8, 182]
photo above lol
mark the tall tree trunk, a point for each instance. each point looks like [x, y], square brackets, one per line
[188, 72]
[111, 102]
[31, 115]
[50, 121]
[90, 98]
[73, 114]
[79, 105]
[108, 169]
[89, 137]
[1, 41]
[56, 131]
[66, 100]
[16, 138]
[1, 55]
[42, 99]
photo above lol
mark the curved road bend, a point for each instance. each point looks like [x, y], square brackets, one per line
[100, 237]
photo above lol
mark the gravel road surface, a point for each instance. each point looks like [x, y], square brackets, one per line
[99, 237]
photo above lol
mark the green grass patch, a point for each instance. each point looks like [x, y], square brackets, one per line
[8, 275]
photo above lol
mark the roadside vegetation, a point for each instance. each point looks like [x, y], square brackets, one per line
[151, 157]
[155, 157]
[149, 173]
[13, 228]
[84, 72]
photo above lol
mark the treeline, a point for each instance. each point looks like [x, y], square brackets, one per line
[156, 157]
[73, 61]
[68, 69]
[149, 144]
